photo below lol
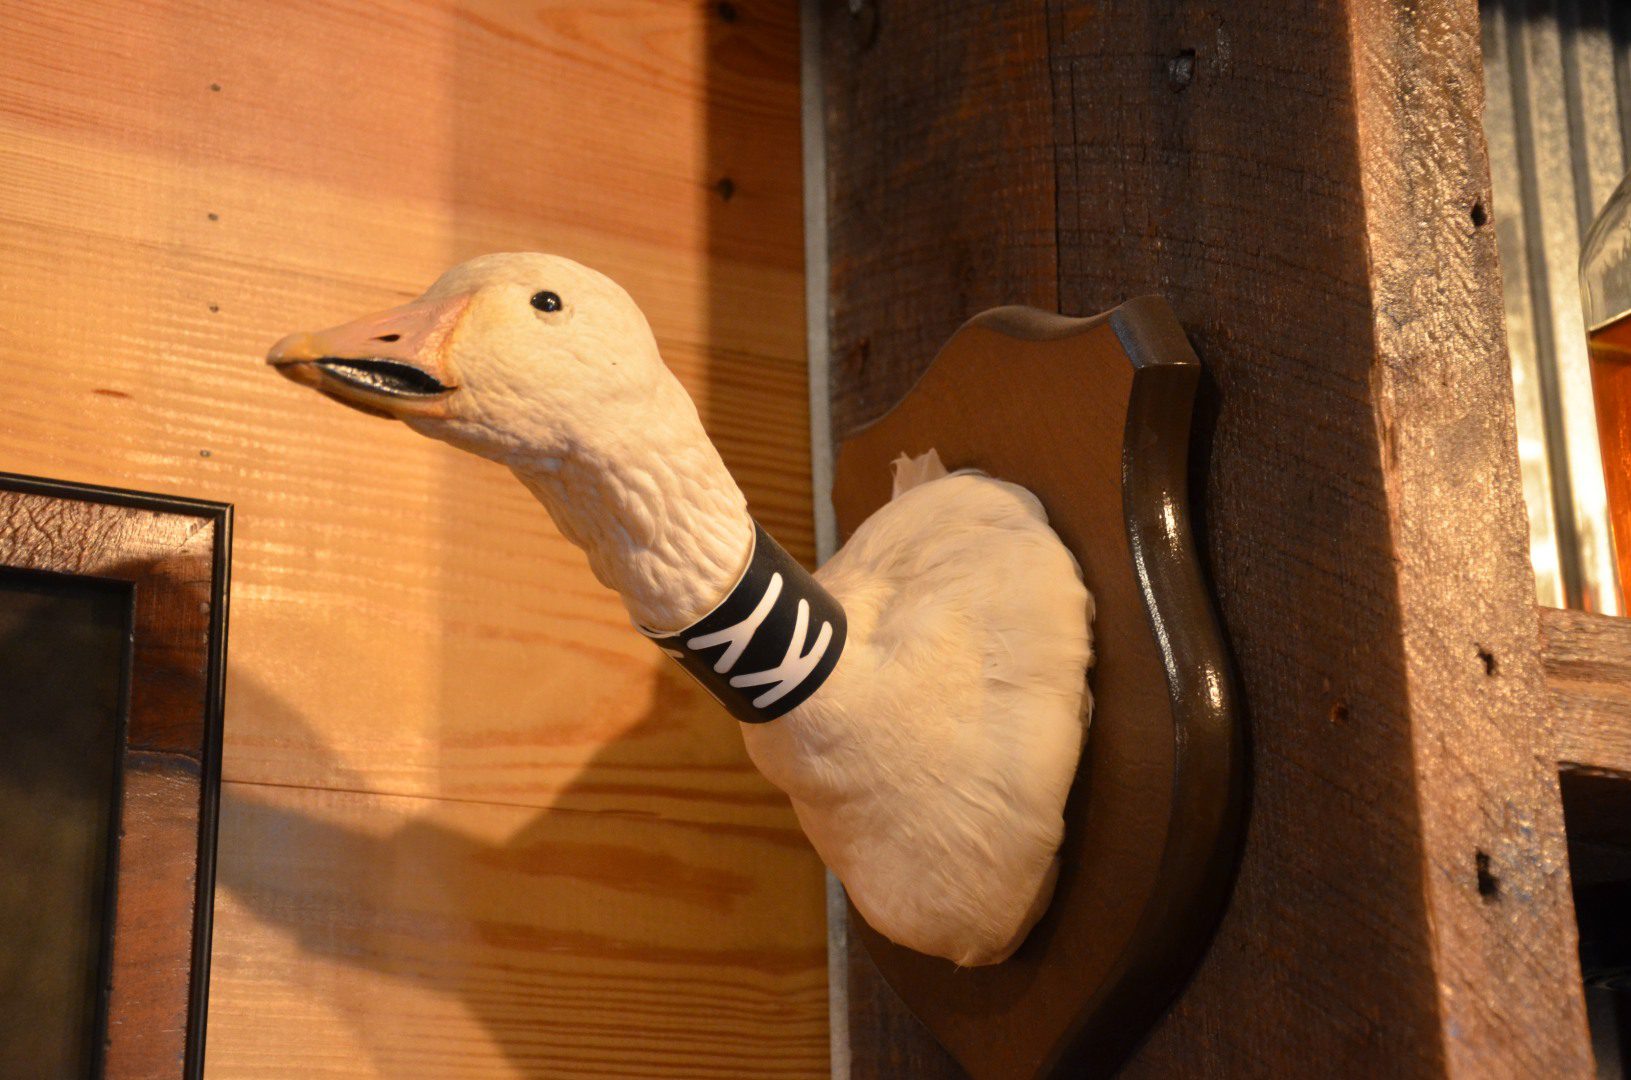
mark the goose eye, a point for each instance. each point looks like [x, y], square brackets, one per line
[546, 301]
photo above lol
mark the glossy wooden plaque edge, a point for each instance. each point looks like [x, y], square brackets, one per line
[1210, 774]
[219, 516]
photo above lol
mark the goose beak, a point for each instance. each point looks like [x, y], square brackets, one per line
[392, 364]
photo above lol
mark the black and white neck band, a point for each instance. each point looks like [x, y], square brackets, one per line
[770, 644]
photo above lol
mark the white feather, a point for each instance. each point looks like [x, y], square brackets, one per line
[911, 471]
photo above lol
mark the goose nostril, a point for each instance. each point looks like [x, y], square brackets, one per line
[389, 337]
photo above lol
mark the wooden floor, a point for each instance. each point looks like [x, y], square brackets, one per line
[472, 825]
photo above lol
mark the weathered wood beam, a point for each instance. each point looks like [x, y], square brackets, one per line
[1300, 181]
[1588, 674]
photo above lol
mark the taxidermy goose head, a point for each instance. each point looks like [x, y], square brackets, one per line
[548, 367]
[927, 753]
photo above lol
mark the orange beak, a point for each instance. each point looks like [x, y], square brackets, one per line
[392, 364]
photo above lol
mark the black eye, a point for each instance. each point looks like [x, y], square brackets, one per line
[546, 301]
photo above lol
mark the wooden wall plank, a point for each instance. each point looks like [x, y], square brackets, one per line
[367, 935]
[1588, 675]
[1299, 182]
[184, 182]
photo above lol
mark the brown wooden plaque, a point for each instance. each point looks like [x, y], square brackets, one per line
[1093, 416]
[155, 569]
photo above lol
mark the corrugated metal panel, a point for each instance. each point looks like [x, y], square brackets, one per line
[1558, 121]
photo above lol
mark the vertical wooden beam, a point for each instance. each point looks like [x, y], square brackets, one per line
[940, 129]
[1300, 181]
[1496, 867]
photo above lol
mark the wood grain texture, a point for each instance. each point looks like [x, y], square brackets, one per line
[1298, 181]
[153, 930]
[927, 103]
[183, 183]
[404, 935]
[1588, 676]
[1504, 941]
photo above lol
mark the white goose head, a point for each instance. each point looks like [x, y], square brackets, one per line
[516, 357]
[550, 368]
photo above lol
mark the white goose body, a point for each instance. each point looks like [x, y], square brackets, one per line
[930, 770]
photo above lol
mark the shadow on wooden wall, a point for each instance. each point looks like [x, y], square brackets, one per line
[450, 905]
[596, 887]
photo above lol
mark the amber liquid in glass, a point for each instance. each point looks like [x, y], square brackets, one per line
[1610, 345]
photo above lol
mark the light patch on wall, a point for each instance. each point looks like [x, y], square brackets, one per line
[1558, 113]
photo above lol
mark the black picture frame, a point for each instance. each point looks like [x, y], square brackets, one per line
[174, 554]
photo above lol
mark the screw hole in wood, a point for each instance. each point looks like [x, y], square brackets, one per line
[1489, 886]
[1181, 69]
